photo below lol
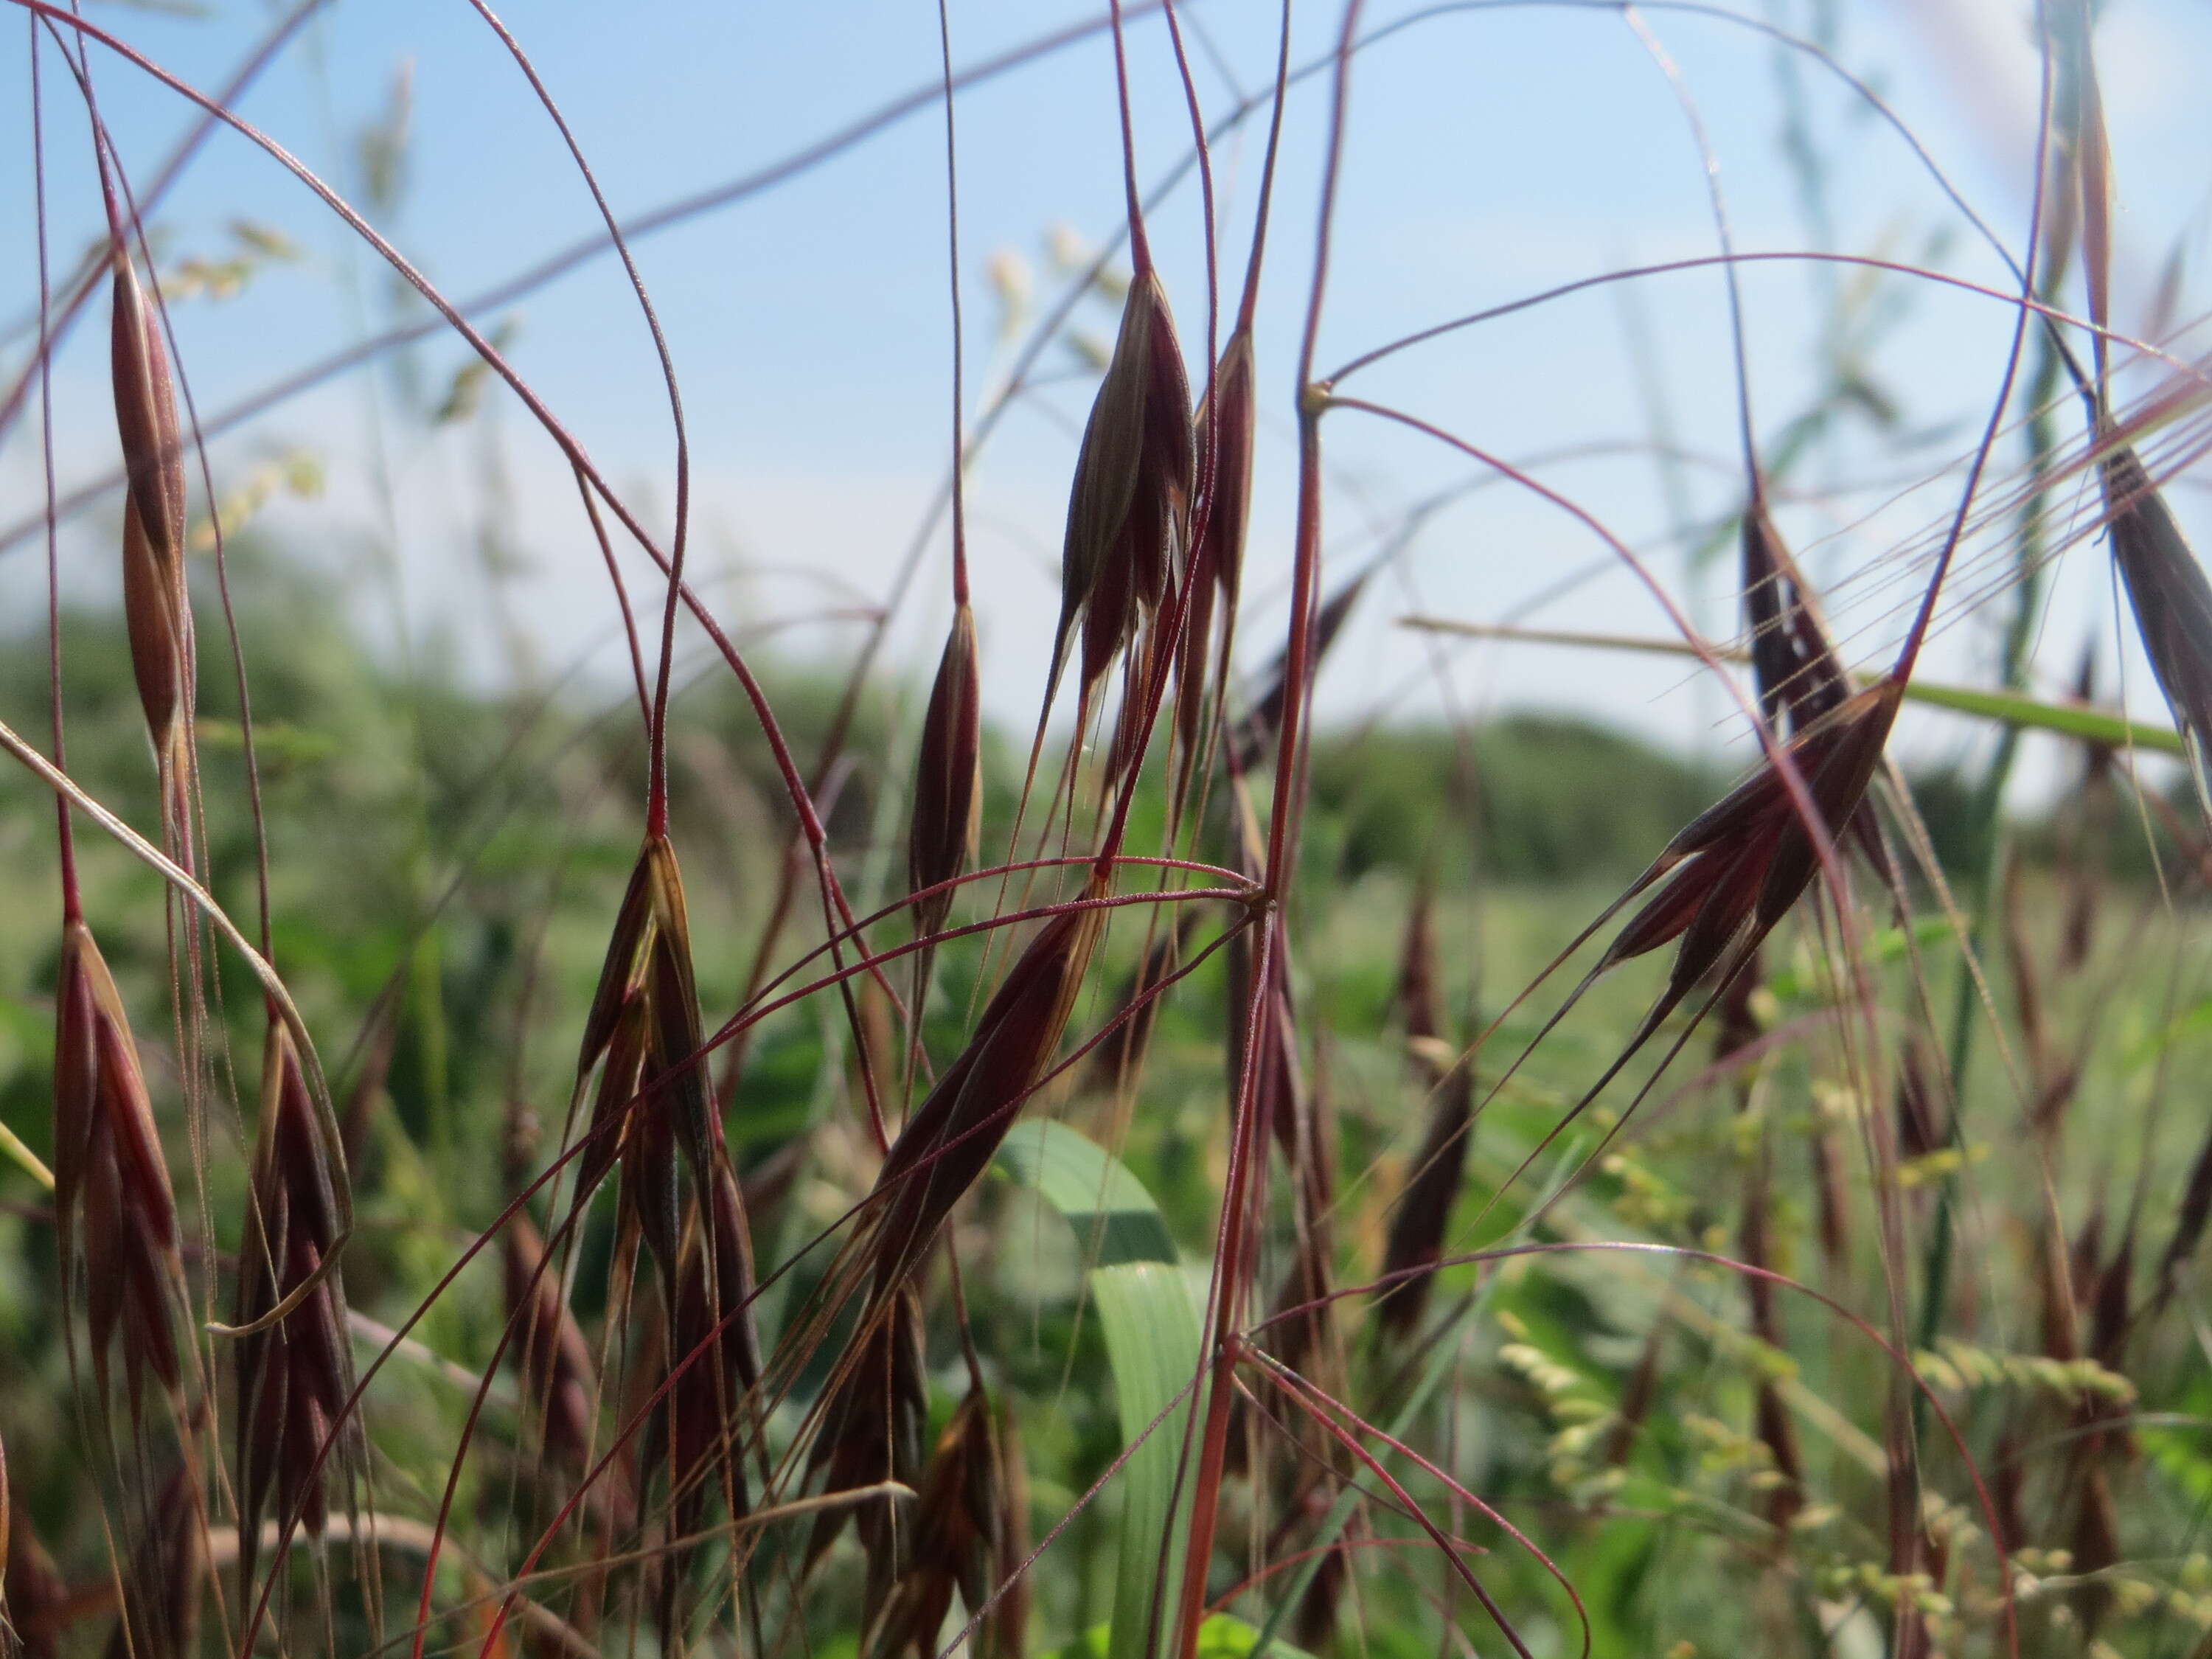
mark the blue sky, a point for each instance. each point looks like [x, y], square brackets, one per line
[1490, 153]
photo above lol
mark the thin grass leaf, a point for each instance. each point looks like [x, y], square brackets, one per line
[1150, 1330]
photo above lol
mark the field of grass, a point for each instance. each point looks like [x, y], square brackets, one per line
[757, 1158]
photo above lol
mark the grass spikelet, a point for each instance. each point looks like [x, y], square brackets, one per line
[1127, 508]
[948, 792]
[949, 1139]
[2171, 601]
[1117, 1061]
[705, 1437]
[871, 1432]
[1226, 423]
[162, 1586]
[292, 1378]
[645, 1015]
[958, 1524]
[1422, 1219]
[559, 1380]
[1794, 665]
[1738, 868]
[155, 610]
[1730, 875]
[113, 1205]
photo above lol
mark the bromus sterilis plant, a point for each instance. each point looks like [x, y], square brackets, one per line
[677, 1278]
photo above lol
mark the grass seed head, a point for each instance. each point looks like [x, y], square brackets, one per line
[113, 1204]
[146, 414]
[1739, 865]
[949, 1141]
[154, 608]
[161, 1587]
[958, 1524]
[644, 1026]
[1127, 507]
[1795, 669]
[293, 1378]
[560, 1379]
[1422, 1220]
[1117, 1061]
[706, 1436]
[713, 1319]
[2168, 591]
[948, 782]
[871, 1432]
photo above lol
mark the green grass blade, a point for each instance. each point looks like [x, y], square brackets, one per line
[1151, 1328]
[2013, 708]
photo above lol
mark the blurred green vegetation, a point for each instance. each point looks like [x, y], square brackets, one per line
[455, 856]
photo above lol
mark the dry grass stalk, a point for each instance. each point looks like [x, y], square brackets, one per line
[2168, 591]
[293, 1379]
[1127, 507]
[162, 1586]
[156, 612]
[114, 1207]
[959, 1525]
[948, 781]
[871, 1432]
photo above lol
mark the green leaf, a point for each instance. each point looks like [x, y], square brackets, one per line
[1151, 1329]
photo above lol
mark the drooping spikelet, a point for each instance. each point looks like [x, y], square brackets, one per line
[1796, 668]
[156, 612]
[1126, 509]
[949, 1141]
[2172, 600]
[560, 1378]
[645, 1015]
[163, 1583]
[948, 794]
[871, 1432]
[1421, 1221]
[714, 1331]
[957, 1526]
[293, 1377]
[114, 1209]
